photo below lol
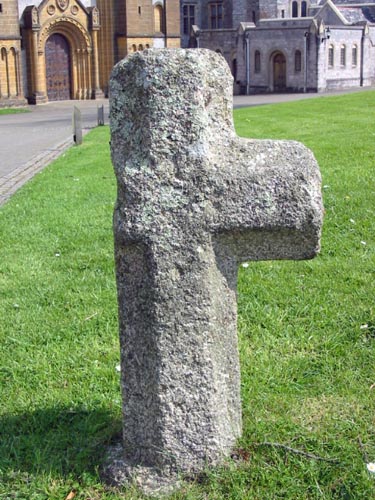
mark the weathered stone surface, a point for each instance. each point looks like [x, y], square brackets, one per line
[194, 201]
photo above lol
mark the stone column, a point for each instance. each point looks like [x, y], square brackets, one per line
[18, 73]
[89, 74]
[97, 91]
[7, 71]
[39, 95]
[74, 75]
[79, 74]
[84, 74]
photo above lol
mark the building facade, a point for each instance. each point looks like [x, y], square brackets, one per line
[286, 45]
[65, 49]
[10, 54]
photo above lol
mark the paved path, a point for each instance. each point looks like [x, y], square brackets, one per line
[29, 141]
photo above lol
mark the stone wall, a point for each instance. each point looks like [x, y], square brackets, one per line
[125, 26]
[269, 39]
[224, 42]
[128, 26]
[343, 74]
[205, 18]
[369, 57]
[11, 92]
[267, 9]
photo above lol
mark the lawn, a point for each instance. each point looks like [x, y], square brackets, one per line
[307, 329]
[10, 111]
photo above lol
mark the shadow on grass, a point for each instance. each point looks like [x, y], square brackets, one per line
[57, 441]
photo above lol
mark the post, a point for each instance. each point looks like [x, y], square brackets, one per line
[100, 115]
[77, 126]
[194, 201]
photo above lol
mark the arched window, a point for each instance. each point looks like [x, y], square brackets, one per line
[158, 19]
[294, 9]
[354, 55]
[331, 56]
[257, 66]
[303, 9]
[343, 55]
[134, 48]
[147, 46]
[140, 47]
[297, 61]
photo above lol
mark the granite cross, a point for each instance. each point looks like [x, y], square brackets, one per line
[194, 201]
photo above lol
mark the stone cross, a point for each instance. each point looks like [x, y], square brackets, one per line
[194, 201]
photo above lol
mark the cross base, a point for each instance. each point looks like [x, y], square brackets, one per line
[118, 471]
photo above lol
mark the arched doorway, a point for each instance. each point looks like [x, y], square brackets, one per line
[58, 75]
[279, 72]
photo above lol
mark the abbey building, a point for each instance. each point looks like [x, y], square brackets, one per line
[65, 49]
[286, 45]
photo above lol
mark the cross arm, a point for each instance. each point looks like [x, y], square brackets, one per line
[268, 202]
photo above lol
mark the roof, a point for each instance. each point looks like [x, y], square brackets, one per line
[355, 15]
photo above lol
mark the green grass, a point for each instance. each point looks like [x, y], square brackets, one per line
[10, 111]
[307, 365]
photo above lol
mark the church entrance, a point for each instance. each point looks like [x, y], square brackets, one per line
[279, 72]
[58, 68]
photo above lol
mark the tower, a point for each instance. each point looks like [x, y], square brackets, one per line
[131, 25]
[10, 50]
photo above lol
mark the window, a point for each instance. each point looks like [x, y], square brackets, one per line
[158, 19]
[140, 47]
[139, 10]
[1, 7]
[257, 61]
[354, 55]
[188, 14]
[343, 55]
[294, 9]
[216, 16]
[297, 61]
[283, 14]
[253, 15]
[331, 56]
[299, 8]
[134, 48]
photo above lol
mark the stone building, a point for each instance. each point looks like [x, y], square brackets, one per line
[70, 46]
[286, 45]
[10, 54]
